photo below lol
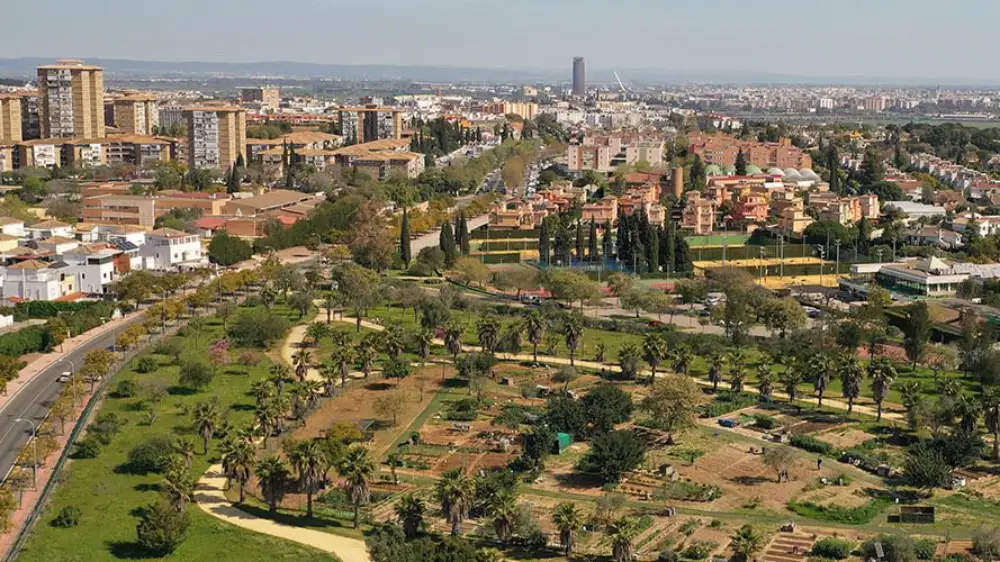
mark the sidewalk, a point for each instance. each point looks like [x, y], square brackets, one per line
[33, 369]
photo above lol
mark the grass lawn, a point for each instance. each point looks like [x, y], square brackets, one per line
[109, 496]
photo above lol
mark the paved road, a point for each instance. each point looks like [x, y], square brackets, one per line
[35, 399]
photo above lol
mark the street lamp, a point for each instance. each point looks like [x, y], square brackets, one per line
[836, 271]
[34, 450]
[114, 331]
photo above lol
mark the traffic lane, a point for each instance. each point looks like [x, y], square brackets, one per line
[35, 400]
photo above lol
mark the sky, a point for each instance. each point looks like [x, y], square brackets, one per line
[893, 38]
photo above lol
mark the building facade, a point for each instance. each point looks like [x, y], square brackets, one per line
[370, 123]
[217, 136]
[579, 77]
[136, 113]
[71, 100]
[268, 98]
[10, 119]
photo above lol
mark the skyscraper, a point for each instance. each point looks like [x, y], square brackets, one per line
[71, 100]
[579, 77]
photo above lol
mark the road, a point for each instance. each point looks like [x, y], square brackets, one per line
[35, 399]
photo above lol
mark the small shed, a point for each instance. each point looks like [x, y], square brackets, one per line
[563, 441]
[916, 514]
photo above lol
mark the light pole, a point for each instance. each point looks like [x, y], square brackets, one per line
[781, 251]
[114, 332]
[822, 256]
[760, 269]
[836, 271]
[34, 450]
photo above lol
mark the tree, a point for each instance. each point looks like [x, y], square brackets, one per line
[410, 510]
[369, 242]
[309, 461]
[161, 528]
[96, 364]
[361, 287]
[613, 454]
[357, 469]
[592, 250]
[895, 548]
[404, 239]
[629, 360]
[851, 377]
[573, 331]
[715, 371]
[790, 380]
[926, 467]
[621, 533]
[779, 459]
[820, 366]
[206, 421]
[654, 350]
[177, 485]
[783, 315]
[503, 512]
[273, 478]
[568, 519]
[534, 325]
[882, 373]
[571, 286]
[741, 163]
[390, 405]
[454, 492]
[195, 375]
[990, 400]
[238, 457]
[673, 404]
[397, 369]
[447, 244]
[227, 250]
[471, 270]
[746, 543]
[544, 243]
[488, 332]
[604, 407]
[916, 332]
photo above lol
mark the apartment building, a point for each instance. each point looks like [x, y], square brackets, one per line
[583, 157]
[382, 165]
[7, 152]
[649, 151]
[699, 214]
[83, 154]
[722, 150]
[217, 136]
[525, 110]
[71, 100]
[370, 123]
[38, 153]
[143, 210]
[10, 118]
[137, 150]
[794, 219]
[269, 98]
[31, 124]
[167, 249]
[136, 113]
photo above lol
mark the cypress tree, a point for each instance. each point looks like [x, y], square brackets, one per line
[592, 242]
[609, 246]
[682, 252]
[544, 251]
[624, 249]
[462, 234]
[479, 134]
[240, 162]
[563, 242]
[669, 247]
[833, 164]
[447, 244]
[741, 163]
[404, 239]
[579, 242]
[653, 250]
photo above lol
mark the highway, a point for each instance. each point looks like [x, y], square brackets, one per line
[34, 399]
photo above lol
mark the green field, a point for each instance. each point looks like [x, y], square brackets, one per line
[109, 496]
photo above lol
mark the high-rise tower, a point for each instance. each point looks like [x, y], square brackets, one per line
[579, 77]
[71, 100]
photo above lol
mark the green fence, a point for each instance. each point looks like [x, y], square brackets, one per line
[504, 245]
[751, 252]
[796, 270]
[499, 234]
[494, 259]
[735, 239]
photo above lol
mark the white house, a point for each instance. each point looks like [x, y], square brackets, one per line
[58, 244]
[48, 229]
[12, 227]
[37, 281]
[167, 249]
[93, 267]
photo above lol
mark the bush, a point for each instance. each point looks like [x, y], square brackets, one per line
[860, 515]
[161, 529]
[864, 459]
[466, 409]
[152, 455]
[727, 401]
[146, 364]
[68, 516]
[172, 348]
[832, 548]
[87, 448]
[668, 556]
[250, 358]
[698, 550]
[105, 427]
[765, 422]
[125, 388]
[196, 375]
[811, 444]
[897, 548]
[420, 270]
[925, 549]
[258, 327]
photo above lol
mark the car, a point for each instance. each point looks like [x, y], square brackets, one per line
[65, 377]
[728, 422]
[812, 312]
[531, 299]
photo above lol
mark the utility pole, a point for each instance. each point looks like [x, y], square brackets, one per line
[34, 451]
[781, 250]
[836, 271]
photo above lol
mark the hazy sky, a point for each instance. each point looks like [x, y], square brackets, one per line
[917, 38]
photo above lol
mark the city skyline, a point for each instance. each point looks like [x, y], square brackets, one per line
[849, 39]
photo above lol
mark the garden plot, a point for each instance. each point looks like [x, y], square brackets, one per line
[853, 494]
[844, 437]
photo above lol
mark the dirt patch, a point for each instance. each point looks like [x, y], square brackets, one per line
[851, 495]
[844, 438]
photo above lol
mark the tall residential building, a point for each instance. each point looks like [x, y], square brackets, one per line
[217, 135]
[370, 123]
[136, 113]
[268, 98]
[31, 121]
[71, 100]
[10, 118]
[579, 77]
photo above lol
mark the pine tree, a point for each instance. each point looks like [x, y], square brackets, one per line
[833, 164]
[741, 163]
[544, 248]
[404, 239]
[696, 177]
[592, 242]
[579, 242]
[447, 244]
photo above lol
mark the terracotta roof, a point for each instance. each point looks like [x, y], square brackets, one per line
[30, 264]
[58, 240]
[49, 224]
[209, 223]
[6, 221]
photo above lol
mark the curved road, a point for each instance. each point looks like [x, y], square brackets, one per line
[35, 398]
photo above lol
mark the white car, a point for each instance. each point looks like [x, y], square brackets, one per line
[65, 377]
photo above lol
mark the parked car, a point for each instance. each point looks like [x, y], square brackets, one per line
[65, 377]
[531, 299]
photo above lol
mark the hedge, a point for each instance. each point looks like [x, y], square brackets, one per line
[861, 515]
[80, 317]
[811, 444]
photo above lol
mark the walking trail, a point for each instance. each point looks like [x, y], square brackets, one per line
[211, 496]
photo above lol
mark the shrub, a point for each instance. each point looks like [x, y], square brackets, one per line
[87, 448]
[811, 444]
[105, 427]
[668, 556]
[465, 409]
[925, 549]
[195, 375]
[125, 388]
[860, 515]
[250, 358]
[152, 455]
[698, 550]
[896, 548]
[864, 459]
[766, 422]
[172, 348]
[68, 516]
[832, 548]
[727, 401]
[146, 364]
[161, 529]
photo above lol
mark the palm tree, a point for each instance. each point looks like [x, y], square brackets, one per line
[990, 401]
[600, 352]
[329, 372]
[455, 491]
[503, 512]
[790, 379]
[568, 519]
[488, 332]
[410, 511]
[357, 468]
[309, 461]
[206, 420]
[394, 460]
[765, 380]
[177, 485]
[948, 387]
[715, 372]
[393, 341]
[573, 330]
[882, 374]
[654, 350]
[453, 339]
[424, 341]
[682, 357]
[342, 357]
[185, 448]
[629, 360]
[316, 332]
[822, 377]
[366, 355]
[534, 325]
[621, 533]
[851, 377]
[238, 458]
[746, 543]
[262, 390]
[273, 479]
[279, 375]
[301, 360]
[967, 411]
[737, 376]
[909, 392]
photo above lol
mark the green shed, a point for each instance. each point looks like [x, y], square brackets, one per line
[563, 441]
